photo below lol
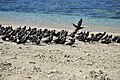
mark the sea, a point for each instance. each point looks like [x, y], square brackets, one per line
[99, 13]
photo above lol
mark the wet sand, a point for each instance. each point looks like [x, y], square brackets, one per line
[60, 62]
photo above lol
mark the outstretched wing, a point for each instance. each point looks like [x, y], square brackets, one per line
[81, 27]
[75, 26]
[80, 23]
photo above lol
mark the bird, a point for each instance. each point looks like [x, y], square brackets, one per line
[72, 41]
[118, 40]
[107, 40]
[33, 38]
[57, 40]
[37, 42]
[10, 38]
[23, 40]
[14, 39]
[29, 29]
[62, 40]
[105, 37]
[72, 35]
[47, 34]
[114, 38]
[4, 38]
[49, 39]
[78, 26]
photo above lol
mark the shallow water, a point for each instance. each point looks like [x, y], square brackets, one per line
[99, 13]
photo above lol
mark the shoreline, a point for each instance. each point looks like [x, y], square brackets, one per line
[69, 27]
[58, 21]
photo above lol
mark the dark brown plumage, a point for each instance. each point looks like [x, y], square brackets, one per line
[78, 26]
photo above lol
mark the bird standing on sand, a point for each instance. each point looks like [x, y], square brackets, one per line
[49, 39]
[114, 39]
[4, 38]
[72, 41]
[118, 40]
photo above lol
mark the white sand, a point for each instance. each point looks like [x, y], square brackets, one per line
[59, 62]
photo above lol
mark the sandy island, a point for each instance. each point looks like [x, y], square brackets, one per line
[60, 62]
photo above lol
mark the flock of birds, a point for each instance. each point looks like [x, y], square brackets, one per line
[21, 35]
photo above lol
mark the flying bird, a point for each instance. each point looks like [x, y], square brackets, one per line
[78, 26]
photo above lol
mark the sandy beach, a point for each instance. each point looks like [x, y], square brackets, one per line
[59, 39]
[84, 61]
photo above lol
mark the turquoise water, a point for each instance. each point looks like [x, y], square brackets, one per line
[36, 18]
[99, 13]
